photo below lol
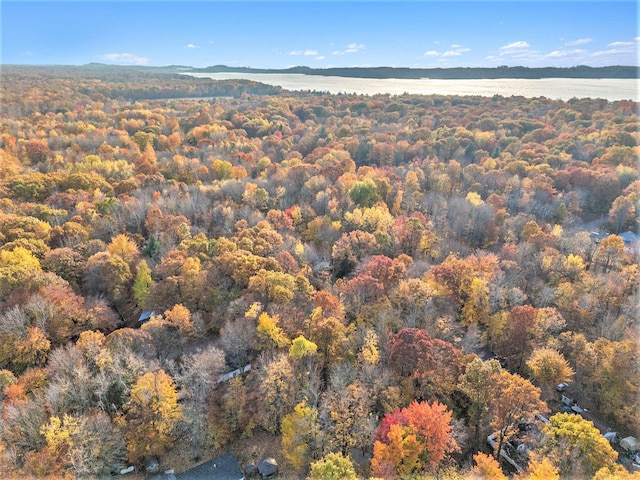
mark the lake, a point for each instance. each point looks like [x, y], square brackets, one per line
[555, 88]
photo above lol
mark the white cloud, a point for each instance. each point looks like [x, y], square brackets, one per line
[321, 57]
[456, 51]
[604, 52]
[191, 45]
[621, 44]
[616, 49]
[308, 53]
[611, 51]
[580, 41]
[351, 48]
[514, 46]
[124, 58]
[565, 53]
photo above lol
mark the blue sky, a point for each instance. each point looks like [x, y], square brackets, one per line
[267, 34]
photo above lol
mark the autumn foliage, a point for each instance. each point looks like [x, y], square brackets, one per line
[356, 257]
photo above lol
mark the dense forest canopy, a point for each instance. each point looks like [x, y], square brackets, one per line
[405, 275]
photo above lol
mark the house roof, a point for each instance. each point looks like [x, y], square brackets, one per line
[224, 467]
[629, 237]
[146, 315]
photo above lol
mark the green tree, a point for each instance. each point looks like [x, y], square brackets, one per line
[364, 193]
[301, 347]
[142, 284]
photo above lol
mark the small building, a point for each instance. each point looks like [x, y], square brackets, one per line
[267, 467]
[630, 444]
[631, 241]
[146, 316]
[567, 401]
[224, 467]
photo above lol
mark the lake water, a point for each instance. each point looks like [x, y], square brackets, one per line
[555, 88]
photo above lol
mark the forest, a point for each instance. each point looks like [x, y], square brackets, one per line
[404, 277]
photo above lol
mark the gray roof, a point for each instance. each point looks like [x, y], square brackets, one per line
[629, 237]
[224, 467]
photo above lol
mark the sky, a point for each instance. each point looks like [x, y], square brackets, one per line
[329, 33]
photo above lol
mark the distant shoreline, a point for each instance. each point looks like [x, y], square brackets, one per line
[460, 73]
[457, 73]
[611, 89]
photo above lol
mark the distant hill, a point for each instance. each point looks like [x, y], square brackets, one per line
[581, 71]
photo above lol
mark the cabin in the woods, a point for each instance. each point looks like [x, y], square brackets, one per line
[146, 316]
[631, 241]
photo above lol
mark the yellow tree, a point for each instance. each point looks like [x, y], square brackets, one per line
[270, 286]
[549, 368]
[16, 268]
[152, 414]
[125, 248]
[610, 252]
[333, 466]
[32, 350]
[400, 455]
[301, 348]
[329, 334]
[476, 305]
[576, 446]
[615, 472]
[269, 333]
[476, 383]
[301, 435]
[540, 468]
[348, 414]
[516, 401]
[486, 468]
[90, 445]
[278, 387]
[179, 318]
